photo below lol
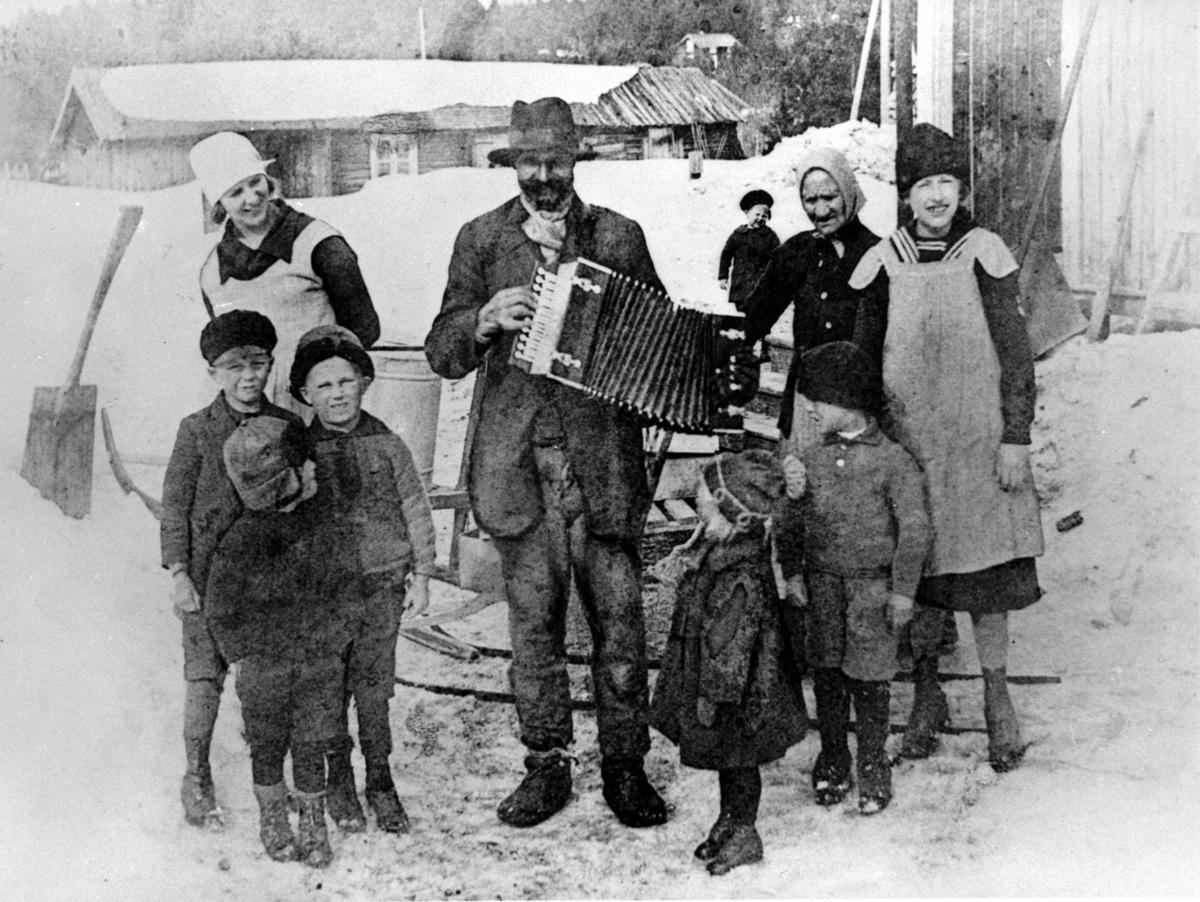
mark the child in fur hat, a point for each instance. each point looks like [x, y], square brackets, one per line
[199, 504]
[863, 536]
[726, 694]
[748, 248]
[282, 603]
[370, 483]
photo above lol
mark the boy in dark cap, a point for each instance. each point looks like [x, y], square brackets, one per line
[370, 484]
[199, 504]
[725, 694]
[282, 602]
[863, 536]
[748, 249]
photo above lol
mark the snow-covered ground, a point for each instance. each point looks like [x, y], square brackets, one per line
[90, 664]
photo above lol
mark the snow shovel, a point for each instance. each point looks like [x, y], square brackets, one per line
[62, 424]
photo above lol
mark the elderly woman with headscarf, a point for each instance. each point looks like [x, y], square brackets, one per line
[297, 271]
[811, 272]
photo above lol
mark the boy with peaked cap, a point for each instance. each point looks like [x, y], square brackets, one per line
[725, 694]
[748, 248]
[369, 483]
[282, 602]
[863, 535]
[199, 504]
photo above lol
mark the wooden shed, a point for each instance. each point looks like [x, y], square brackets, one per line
[130, 127]
[656, 112]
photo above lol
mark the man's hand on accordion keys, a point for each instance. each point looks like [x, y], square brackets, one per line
[509, 310]
[738, 380]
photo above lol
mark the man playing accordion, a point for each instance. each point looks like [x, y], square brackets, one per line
[556, 476]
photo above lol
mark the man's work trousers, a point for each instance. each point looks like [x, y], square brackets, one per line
[537, 569]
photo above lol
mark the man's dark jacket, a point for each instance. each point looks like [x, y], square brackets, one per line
[603, 444]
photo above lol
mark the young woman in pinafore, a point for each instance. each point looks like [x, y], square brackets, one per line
[940, 297]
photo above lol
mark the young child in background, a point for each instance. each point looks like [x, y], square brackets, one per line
[368, 479]
[725, 695]
[283, 604]
[199, 504]
[748, 248]
[864, 533]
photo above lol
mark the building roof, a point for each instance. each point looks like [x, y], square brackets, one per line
[707, 40]
[652, 97]
[184, 99]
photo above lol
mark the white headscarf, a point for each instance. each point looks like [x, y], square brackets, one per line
[831, 161]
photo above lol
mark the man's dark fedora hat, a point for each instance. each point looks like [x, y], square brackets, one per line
[544, 125]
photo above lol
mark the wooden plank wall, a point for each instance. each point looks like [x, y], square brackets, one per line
[1141, 53]
[1007, 94]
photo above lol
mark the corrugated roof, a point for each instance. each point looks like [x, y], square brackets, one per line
[172, 100]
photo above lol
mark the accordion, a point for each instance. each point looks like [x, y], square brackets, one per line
[629, 344]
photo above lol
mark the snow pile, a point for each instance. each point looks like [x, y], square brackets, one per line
[871, 149]
[1106, 802]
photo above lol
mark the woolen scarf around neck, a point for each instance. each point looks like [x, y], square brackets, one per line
[547, 229]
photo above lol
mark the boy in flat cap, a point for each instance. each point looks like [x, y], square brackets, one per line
[863, 536]
[282, 602]
[199, 505]
[748, 248]
[369, 483]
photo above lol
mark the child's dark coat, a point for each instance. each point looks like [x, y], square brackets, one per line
[727, 646]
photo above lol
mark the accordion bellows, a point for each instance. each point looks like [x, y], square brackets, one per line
[629, 344]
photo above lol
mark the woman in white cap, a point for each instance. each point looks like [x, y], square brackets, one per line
[296, 270]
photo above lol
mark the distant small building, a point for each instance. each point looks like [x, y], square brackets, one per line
[332, 124]
[705, 48]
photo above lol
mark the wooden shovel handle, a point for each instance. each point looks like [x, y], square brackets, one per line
[126, 226]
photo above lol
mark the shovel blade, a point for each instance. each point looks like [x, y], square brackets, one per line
[1052, 311]
[59, 446]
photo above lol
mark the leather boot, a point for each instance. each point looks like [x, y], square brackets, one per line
[274, 828]
[717, 837]
[390, 815]
[629, 794]
[930, 711]
[545, 790]
[200, 808]
[1005, 748]
[341, 797]
[744, 846]
[871, 708]
[831, 772]
[313, 843]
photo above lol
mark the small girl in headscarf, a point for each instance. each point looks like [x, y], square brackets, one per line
[727, 694]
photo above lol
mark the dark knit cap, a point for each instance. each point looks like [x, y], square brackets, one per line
[746, 486]
[840, 373]
[236, 329]
[262, 457]
[321, 343]
[927, 150]
[755, 197]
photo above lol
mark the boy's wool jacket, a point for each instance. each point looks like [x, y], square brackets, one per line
[747, 251]
[367, 478]
[199, 500]
[283, 586]
[864, 513]
[727, 649]
[602, 442]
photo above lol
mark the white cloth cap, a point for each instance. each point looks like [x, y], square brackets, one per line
[222, 160]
